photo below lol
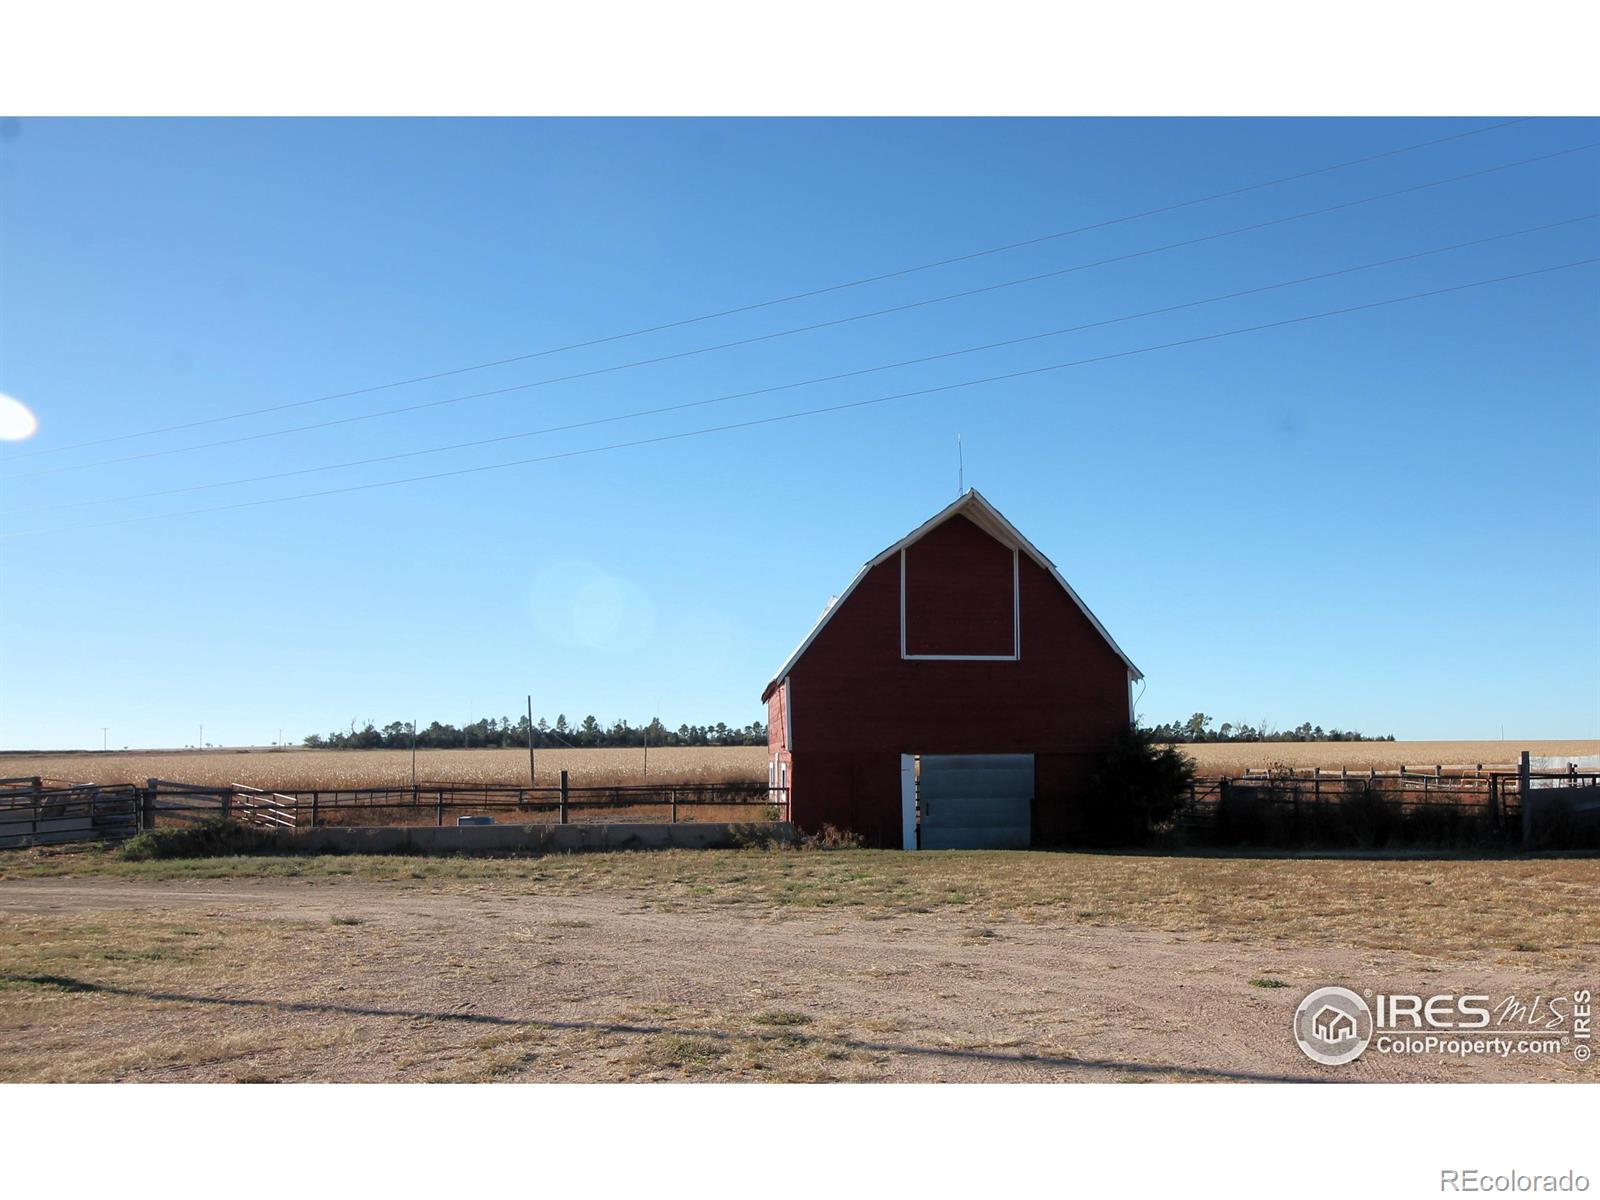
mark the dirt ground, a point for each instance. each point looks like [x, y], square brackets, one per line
[332, 971]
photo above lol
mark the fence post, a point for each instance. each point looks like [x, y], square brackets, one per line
[313, 810]
[1316, 784]
[439, 796]
[564, 789]
[1524, 796]
[674, 794]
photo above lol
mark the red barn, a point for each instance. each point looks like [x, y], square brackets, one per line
[955, 695]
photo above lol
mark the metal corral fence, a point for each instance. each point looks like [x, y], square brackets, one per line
[1462, 807]
[34, 812]
[166, 802]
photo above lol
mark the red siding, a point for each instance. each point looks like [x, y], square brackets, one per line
[858, 705]
[856, 792]
[777, 724]
[959, 593]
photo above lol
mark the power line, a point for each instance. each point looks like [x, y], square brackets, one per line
[824, 409]
[670, 408]
[814, 326]
[792, 297]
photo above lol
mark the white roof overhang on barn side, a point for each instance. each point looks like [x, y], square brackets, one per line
[986, 517]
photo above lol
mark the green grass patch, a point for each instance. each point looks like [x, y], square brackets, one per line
[210, 838]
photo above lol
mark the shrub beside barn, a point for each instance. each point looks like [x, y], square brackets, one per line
[956, 694]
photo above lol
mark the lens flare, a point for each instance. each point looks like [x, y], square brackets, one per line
[17, 422]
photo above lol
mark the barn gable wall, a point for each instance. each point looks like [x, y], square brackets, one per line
[852, 691]
[960, 593]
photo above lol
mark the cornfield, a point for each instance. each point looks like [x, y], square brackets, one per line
[1233, 758]
[275, 769]
[285, 770]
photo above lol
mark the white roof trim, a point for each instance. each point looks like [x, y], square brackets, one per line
[986, 517]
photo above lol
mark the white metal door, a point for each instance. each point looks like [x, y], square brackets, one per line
[976, 801]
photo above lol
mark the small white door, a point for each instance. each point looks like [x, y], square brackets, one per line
[908, 801]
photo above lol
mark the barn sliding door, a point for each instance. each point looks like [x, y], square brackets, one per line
[976, 801]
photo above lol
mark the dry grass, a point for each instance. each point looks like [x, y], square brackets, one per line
[292, 769]
[1466, 906]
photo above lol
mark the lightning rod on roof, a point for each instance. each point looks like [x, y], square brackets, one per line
[961, 469]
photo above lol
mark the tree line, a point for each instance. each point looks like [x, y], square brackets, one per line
[1198, 728]
[508, 733]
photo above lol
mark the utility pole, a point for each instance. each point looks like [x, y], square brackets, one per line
[531, 776]
[647, 749]
[202, 737]
[280, 735]
[413, 754]
[103, 730]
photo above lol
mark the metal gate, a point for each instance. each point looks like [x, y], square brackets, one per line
[975, 801]
[45, 816]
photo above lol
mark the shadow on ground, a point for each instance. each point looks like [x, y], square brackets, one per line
[66, 983]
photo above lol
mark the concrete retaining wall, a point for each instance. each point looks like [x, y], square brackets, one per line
[47, 831]
[478, 839]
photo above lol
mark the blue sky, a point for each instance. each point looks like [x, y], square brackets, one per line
[1384, 520]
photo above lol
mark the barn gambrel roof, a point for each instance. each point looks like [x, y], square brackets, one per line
[986, 517]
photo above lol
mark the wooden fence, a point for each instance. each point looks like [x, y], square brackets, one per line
[1439, 807]
[167, 802]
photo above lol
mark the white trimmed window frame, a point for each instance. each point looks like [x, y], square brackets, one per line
[1016, 621]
